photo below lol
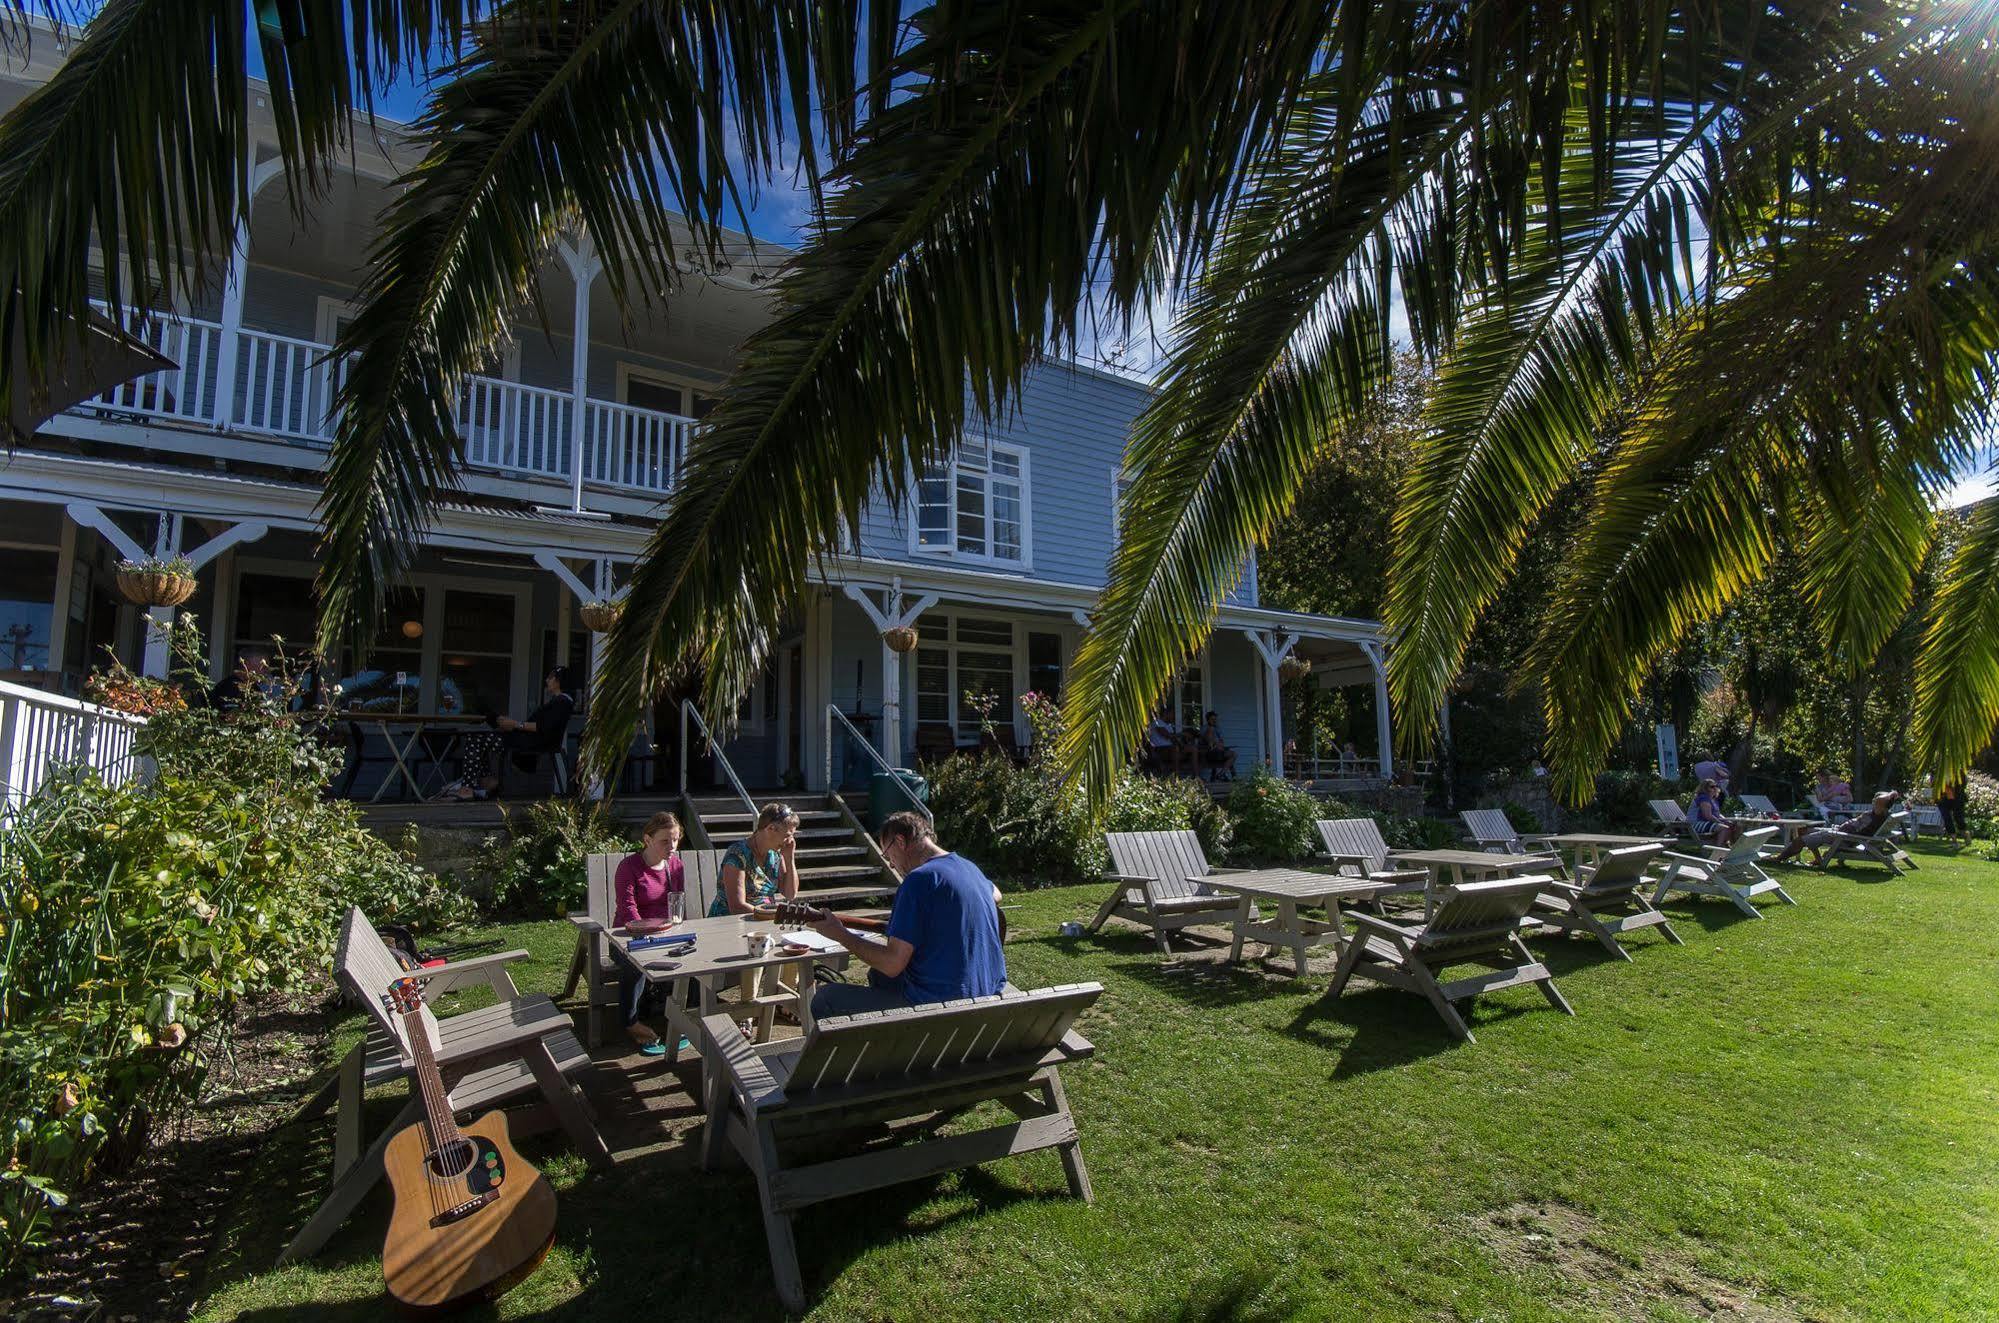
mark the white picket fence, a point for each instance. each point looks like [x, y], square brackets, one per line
[43, 736]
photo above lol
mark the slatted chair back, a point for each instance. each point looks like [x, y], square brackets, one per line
[1761, 805]
[935, 1039]
[1622, 870]
[1490, 829]
[1668, 811]
[1355, 838]
[703, 869]
[1476, 915]
[1167, 857]
[1747, 848]
[362, 962]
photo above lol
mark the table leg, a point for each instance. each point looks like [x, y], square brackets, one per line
[1241, 929]
[1287, 919]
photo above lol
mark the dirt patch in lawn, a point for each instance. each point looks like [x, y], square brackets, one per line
[134, 1242]
[1529, 1239]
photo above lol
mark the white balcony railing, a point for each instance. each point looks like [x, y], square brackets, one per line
[43, 734]
[285, 387]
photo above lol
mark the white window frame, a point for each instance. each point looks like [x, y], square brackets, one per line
[950, 551]
[1202, 660]
[628, 372]
[1015, 648]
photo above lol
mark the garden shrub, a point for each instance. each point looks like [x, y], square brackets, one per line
[134, 918]
[538, 864]
[1981, 805]
[1273, 819]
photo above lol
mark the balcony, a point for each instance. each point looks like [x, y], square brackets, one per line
[284, 388]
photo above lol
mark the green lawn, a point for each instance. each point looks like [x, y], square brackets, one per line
[1792, 1118]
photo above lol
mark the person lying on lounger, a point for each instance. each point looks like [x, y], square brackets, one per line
[1820, 839]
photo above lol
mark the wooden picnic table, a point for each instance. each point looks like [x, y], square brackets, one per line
[1787, 828]
[720, 956]
[1290, 889]
[1588, 846]
[1467, 866]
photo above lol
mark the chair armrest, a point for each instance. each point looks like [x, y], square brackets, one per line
[1703, 860]
[456, 974]
[586, 923]
[748, 1075]
[1130, 879]
[1223, 872]
[1363, 920]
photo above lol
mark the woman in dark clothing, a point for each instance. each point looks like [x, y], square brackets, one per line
[480, 753]
[1950, 806]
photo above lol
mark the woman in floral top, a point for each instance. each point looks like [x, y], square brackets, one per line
[763, 869]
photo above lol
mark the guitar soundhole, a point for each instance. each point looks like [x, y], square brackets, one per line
[453, 1160]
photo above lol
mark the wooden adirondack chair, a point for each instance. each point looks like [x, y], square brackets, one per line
[1475, 923]
[1609, 899]
[923, 1062]
[1491, 830]
[1672, 819]
[1730, 872]
[591, 962]
[519, 1045]
[1354, 846]
[1880, 848]
[1157, 883]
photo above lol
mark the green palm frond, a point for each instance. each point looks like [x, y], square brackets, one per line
[610, 114]
[961, 238]
[1957, 666]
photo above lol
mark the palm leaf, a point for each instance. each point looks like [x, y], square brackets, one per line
[1957, 667]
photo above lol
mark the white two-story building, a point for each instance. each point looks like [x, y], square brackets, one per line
[572, 443]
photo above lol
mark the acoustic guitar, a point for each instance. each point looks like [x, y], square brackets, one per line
[797, 913]
[472, 1219]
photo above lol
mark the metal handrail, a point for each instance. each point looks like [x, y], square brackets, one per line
[687, 710]
[833, 713]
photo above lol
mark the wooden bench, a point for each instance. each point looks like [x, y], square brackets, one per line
[919, 1064]
[1475, 923]
[592, 963]
[518, 1045]
[1156, 876]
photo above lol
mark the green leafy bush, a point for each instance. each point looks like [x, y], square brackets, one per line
[539, 864]
[1273, 818]
[1620, 803]
[134, 918]
[1981, 805]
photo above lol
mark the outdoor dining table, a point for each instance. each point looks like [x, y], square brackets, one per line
[1787, 828]
[720, 956]
[1290, 889]
[1467, 866]
[413, 728]
[1588, 847]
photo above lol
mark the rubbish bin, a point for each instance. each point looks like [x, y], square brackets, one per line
[891, 792]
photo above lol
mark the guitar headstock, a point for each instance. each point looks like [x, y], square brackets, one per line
[404, 996]
[798, 913]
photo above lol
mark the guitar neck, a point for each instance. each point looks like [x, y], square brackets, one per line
[430, 1084]
[802, 913]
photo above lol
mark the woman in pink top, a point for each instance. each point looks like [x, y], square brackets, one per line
[645, 887]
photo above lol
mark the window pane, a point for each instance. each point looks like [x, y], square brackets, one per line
[933, 509]
[272, 606]
[933, 684]
[1191, 697]
[985, 681]
[1044, 665]
[991, 632]
[971, 514]
[402, 621]
[972, 454]
[479, 622]
[475, 686]
[1006, 520]
[1006, 463]
[390, 682]
[27, 608]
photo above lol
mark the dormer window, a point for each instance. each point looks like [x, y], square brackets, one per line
[974, 506]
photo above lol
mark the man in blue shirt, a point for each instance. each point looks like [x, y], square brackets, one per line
[943, 939]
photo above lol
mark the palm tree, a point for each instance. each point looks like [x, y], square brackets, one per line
[1732, 261]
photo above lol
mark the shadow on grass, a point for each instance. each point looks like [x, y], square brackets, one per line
[626, 1232]
[1233, 1296]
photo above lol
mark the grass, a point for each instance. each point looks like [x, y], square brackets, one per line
[1792, 1118]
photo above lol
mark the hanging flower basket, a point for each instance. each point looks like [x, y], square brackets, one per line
[156, 582]
[598, 617]
[900, 639]
[1294, 668]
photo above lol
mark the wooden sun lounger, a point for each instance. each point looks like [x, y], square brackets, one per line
[922, 1063]
[1880, 848]
[1491, 829]
[1609, 901]
[1730, 872]
[1355, 846]
[1156, 877]
[1672, 819]
[1474, 923]
[591, 962]
[519, 1045]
